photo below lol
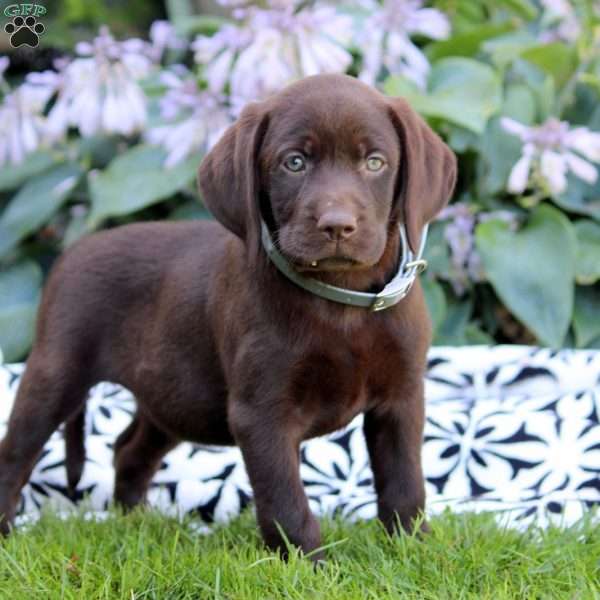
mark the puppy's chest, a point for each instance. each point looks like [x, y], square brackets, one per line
[329, 389]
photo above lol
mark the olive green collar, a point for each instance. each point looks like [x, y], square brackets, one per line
[399, 286]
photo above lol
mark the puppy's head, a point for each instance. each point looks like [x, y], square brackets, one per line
[330, 164]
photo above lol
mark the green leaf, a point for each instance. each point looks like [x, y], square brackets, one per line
[523, 8]
[586, 315]
[96, 151]
[461, 139]
[541, 84]
[592, 80]
[136, 179]
[556, 59]
[594, 344]
[580, 197]
[19, 296]
[519, 103]
[584, 108]
[462, 91]
[587, 270]
[178, 9]
[467, 14]
[452, 332]
[191, 210]
[35, 203]
[76, 228]
[435, 300]
[533, 270]
[474, 335]
[436, 251]
[466, 43]
[506, 48]
[12, 176]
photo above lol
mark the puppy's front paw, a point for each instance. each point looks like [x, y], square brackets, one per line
[423, 529]
[5, 526]
[412, 523]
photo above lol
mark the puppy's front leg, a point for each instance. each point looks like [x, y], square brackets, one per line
[394, 437]
[271, 454]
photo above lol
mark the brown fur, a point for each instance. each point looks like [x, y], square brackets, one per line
[217, 346]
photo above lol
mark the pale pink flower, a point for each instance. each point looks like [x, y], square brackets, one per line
[465, 262]
[269, 47]
[196, 118]
[162, 37]
[217, 53]
[386, 43]
[559, 21]
[22, 123]
[99, 92]
[553, 149]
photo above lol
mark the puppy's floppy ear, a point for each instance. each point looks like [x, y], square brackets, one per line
[229, 177]
[427, 173]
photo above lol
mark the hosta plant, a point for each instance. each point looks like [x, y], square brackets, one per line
[114, 132]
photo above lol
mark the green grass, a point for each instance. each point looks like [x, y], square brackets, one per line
[147, 555]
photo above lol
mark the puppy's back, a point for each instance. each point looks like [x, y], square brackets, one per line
[104, 290]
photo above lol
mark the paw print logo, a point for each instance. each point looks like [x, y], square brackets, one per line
[24, 32]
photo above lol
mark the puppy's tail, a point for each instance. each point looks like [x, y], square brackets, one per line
[74, 435]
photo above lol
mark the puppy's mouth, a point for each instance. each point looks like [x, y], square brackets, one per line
[331, 257]
[330, 263]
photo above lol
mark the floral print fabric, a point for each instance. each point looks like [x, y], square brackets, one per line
[510, 429]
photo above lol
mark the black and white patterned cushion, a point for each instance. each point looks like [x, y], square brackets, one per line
[511, 429]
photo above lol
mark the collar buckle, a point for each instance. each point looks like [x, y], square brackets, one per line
[418, 265]
[380, 304]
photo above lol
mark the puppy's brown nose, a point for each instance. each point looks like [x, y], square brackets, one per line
[337, 225]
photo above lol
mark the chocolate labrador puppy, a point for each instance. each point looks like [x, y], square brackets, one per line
[224, 331]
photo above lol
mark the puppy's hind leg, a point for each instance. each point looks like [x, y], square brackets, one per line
[138, 453]
[49, 393]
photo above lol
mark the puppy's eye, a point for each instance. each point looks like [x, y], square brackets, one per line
[375, 163]
[295, 163]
